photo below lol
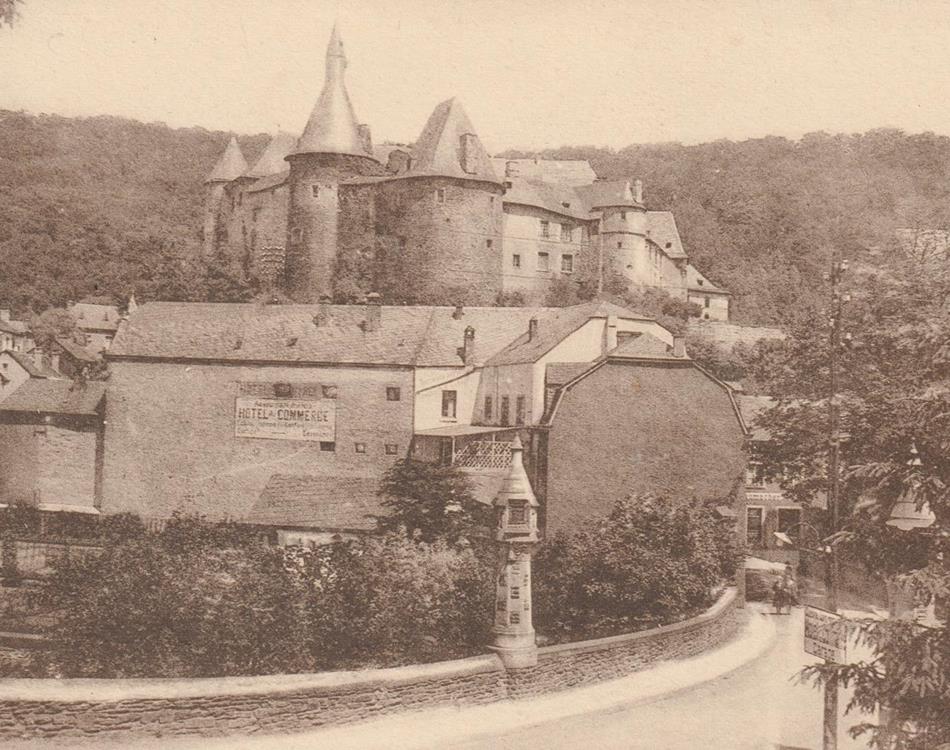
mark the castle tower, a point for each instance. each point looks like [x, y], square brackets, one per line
[445, 216]
[230, 166]
[623, 230]
[333, 146]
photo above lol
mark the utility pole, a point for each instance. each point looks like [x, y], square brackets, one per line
[838, 267]
[600, 255]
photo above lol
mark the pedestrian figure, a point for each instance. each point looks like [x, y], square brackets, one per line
[790, 586]
[780, 596]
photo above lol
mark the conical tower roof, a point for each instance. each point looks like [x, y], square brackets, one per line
[231, 164]
[516, 485]
[440, 149]
[272, 158]
[332, 127]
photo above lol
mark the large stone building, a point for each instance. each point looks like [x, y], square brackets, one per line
[438, 220]
[288, 415]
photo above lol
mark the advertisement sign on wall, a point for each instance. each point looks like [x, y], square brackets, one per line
[285, 419]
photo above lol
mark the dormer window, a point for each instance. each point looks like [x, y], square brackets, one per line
[440, 195]
[469, 153]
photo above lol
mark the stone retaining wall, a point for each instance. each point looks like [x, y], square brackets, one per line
[283, 703]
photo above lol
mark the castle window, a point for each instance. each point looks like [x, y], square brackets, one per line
[393, 393]
[567, 264]
[240, 198]
[544, 262]
[488, 408]
[391, 449]
[315, 189]
[296, 234]
[361, 447]
[516, 261]
[449, 401]
[620, 244]
[519, 410]
[566, 232]
[440, 195]
[595, 229]
[505, 407]
[623, 216]
[489, 244]
[327, 447]
[545, 228]
[491, 200]
[706, 302]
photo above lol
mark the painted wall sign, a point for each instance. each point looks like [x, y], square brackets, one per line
[285, 419]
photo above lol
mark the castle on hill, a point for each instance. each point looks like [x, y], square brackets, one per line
[330, 214]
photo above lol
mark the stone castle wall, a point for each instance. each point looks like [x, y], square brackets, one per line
[430, 238]
[287, 703]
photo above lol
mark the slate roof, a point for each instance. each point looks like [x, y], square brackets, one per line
[439, 148]
[645, 346]
[55, 397]
[418, 335]
[695, 281]
[608, 193]
[553, 326]
[751, 407]
[272, 158]
[318, 502]
[559, 373]
[230, 166]
[661, 228]
[549, 196]
[91, 317]
[27, 363]
[17, 327]
[571, 172]
[76, 351]
[269, 182]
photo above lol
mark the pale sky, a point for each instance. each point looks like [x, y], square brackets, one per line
[531, 73]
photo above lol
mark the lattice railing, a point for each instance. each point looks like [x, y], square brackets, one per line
[483, 454]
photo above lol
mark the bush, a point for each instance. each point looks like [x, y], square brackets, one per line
[10, 566]
[651, 561]
[390, 600]
[146, 608]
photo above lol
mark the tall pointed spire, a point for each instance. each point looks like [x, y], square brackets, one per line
[231, 164]
[332, 127]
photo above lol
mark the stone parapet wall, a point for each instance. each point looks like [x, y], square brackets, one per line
[285, 703]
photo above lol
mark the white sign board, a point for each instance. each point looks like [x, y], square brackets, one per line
[285, 419]
[825, 636]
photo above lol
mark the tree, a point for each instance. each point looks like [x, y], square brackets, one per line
[57, 322]
[894, 402]
[653, 560]
[430, 501]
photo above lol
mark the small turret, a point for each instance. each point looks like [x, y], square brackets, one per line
[230, 166]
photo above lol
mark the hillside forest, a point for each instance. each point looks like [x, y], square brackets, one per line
[109, 206]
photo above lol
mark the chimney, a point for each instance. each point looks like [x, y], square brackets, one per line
[469, 152]
[323, 311]
[458, 312]
[374, 312]
[366, 138]
[679, 346]
[638, 190]
[468, 346]
[38, 357]
[511, 169]
[610, 334]
[5, 314]
[532, 329]
[54, 361]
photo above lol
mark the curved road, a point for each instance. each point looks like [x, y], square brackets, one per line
[757, 707]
